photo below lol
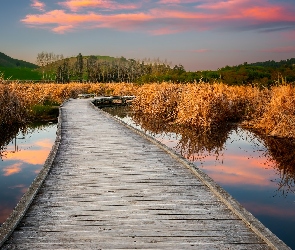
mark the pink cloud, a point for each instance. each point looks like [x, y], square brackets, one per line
[201, 50]
[163, 18]
[269, 210]
[241, 9]
[176, 2]
[5, 212]
[67, 21]
[238, 170]
[290, 35]
[287, 49]
[38, 5]
[165, 31]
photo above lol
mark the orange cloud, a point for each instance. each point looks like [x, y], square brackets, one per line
[46, 143]
[13, 169]
[31, 157]
[63, 29]
[75, 5]
[38, 5]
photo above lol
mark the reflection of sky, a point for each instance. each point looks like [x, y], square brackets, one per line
[21, 163]
[244, 169]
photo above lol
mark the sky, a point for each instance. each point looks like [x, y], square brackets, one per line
[198, 34]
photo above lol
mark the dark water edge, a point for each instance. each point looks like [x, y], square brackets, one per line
[257, 170]
[23, 151]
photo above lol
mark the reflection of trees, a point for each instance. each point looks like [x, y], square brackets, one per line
[192, 143]
[280, 152]
[8, 133]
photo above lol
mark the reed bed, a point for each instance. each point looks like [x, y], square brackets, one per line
[278, 119]
[204, 106]
[198, 106]
[17, 101]
[14, 107]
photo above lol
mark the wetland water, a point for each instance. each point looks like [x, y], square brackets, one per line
[23, 154]
[258, 171]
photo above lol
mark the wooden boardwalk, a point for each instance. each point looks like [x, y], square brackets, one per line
[111, 188]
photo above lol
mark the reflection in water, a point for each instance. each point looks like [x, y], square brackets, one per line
[7, 134]
[257, 170]
[281, 154]
[199, 144]
[191, 143]
[23, 152]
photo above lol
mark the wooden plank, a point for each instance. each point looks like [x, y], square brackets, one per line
[110, 188]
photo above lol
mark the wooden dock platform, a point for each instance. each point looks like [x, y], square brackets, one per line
[110, 187]
[101, 101]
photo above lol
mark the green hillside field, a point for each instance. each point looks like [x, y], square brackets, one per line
[20, 73]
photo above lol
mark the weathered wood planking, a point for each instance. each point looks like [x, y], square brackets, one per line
[110, 188]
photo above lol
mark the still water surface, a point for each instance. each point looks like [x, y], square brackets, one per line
[256, 170]
[23, 154]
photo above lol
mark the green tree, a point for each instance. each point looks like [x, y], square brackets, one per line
[80, 66]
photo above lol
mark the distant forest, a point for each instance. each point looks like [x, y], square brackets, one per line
[51, 67]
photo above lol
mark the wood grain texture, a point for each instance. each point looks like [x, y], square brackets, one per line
[110, 188]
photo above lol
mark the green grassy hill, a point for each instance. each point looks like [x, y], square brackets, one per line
[15, 69]
[20, 73]
[9, 62]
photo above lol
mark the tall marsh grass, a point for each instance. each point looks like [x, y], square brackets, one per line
[199, 106]
[19, 102]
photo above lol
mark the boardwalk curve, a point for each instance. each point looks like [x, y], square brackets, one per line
[111, 188]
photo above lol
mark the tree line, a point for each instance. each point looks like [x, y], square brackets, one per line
[105, 69]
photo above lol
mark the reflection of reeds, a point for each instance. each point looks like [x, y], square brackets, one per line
[192, 143]
[281, 152]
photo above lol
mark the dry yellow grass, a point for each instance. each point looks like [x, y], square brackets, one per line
[271, 111]
[200, 106]
[16, 100]
[279, 116]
